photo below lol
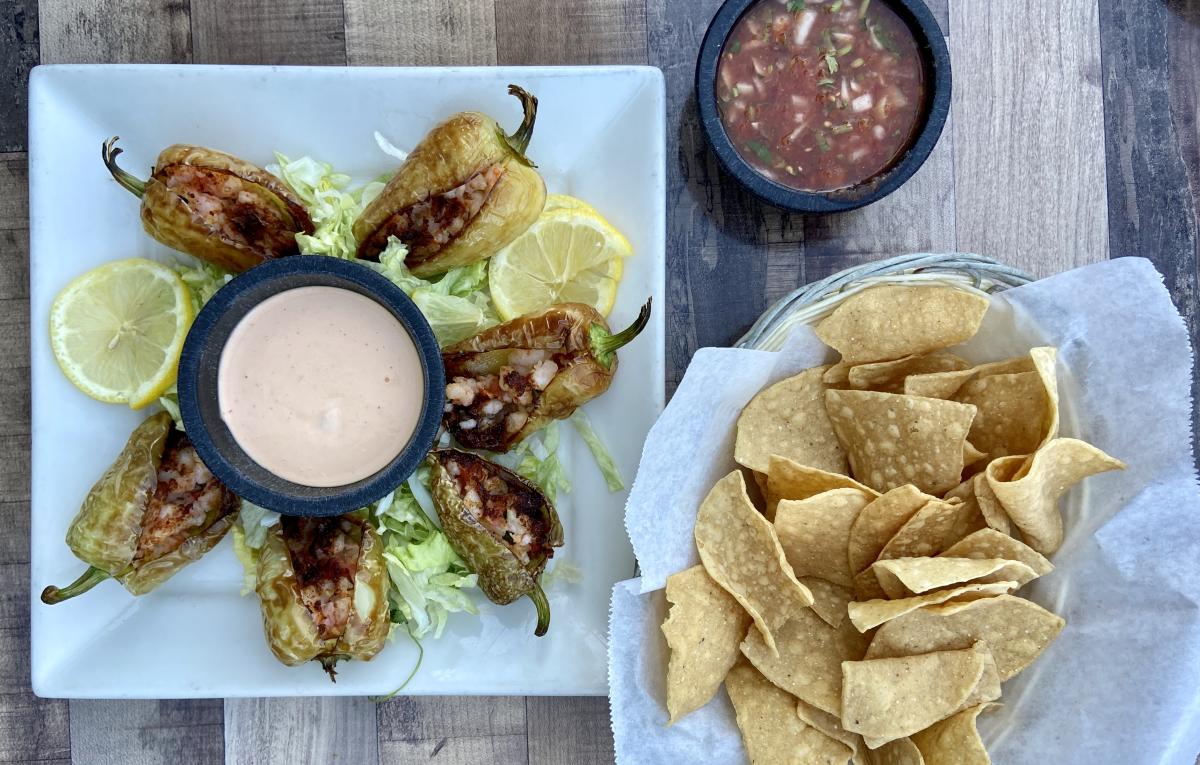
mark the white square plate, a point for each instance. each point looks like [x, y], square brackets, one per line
[599, 136]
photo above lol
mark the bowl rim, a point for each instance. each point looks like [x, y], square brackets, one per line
[215, 443]
[936, 54]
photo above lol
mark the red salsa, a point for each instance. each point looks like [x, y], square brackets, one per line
[820, 95]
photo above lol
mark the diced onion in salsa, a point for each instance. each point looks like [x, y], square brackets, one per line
[820, 95]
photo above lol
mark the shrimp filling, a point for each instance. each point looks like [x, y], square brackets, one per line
[507, 509]
[230, 208]
[486, 411]
[429, 225]
[187, 498]
[324, 553]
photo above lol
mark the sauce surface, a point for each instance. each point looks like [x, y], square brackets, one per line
[321, 386]
[820, 95]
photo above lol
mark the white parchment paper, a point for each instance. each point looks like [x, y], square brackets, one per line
[1121, 685]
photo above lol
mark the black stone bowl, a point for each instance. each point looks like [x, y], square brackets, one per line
[936, 59]
[198, 385]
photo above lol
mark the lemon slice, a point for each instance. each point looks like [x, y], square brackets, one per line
[568, 255]
[117, 331]
[565, 202]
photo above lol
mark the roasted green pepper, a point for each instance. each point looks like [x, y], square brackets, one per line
[500, 524]
[464, 192]
[215, 206]
[154, 511]
[322, 585]
[512, 379]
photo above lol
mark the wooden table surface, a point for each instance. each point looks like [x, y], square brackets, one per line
[1074, 137]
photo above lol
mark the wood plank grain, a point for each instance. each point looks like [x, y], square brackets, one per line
[718, 274]
[420, 33]
[569, 731]
[453, 731]
[571, 32]
[115, 31]
[146, 732]
[31, 729]
[240, 32]
[1151, 103]
[1028, 133]
[290, 731]
[18, 54]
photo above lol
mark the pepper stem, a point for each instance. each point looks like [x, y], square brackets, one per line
[329, 664]
[604, 344]
[518, 142]
[543, 609]
[90, 578]
[109, 151]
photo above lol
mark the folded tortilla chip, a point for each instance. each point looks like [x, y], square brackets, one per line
[870, 614]
[954, 741]
[867, 587]
[901, 751]
[892, 321]
[740, 551]
[888, 376]
[788, 479]
[810, 657]
[789, 419]
[829, 600]
[815, 532]
[947, 384]
[1030, 498]
[703, 629]
[879, 521]
[933, 528]
[989, 543]
[892, 440]
[887, 699]
[830, 725]
[771, 730]
[1016, 631]
[1012, 413]
[902, 577]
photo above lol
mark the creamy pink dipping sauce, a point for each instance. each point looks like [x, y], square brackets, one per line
[321, 386]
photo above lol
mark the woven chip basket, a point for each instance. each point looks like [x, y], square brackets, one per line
[812, 302]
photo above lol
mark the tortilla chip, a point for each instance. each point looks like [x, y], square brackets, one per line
[888, 376]
[892, 439]
[989, 507]
[867, 587]
[828, 724]
[789, 419]
[838, 375]
[932, 529]
[971, 455]
[771, 730]
[810, 658]
[893, 321]
[704, 629]
[814, 533]
[887, 699]
[1016, 631]
[954, 741]
[937, 384]
[870, 614]
[1031, 498]
[902, 577]
[901, 751]
[740, 551]
[879, 521]
[989, 543]
[829, 600]
[788, 479]
[1012, 414]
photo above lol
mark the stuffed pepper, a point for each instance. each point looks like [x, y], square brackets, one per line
[462, 195]
[322, 584]
[500, 524]
[513, 379]
[155, 510]
[214, 206]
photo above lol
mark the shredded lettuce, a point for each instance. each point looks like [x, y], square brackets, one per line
[249, 535]
[331, 205]
[536, 458]
[429, 580]
[604, 460]
[247, 557]
[203, 280]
